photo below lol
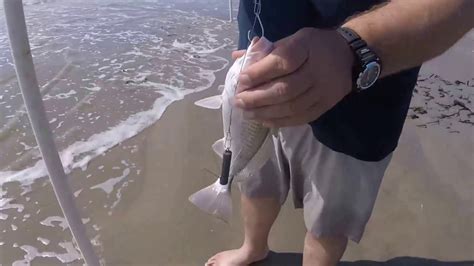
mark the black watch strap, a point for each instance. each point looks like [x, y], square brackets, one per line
[363, 55]
[355, 42]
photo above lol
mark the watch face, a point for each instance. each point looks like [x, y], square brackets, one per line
[369, 76]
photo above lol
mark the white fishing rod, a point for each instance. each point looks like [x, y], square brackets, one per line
[231, 18]
[26, 75]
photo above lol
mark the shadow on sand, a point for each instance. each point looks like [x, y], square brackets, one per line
[294, 259]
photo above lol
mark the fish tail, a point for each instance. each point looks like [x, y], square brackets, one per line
[215, 200]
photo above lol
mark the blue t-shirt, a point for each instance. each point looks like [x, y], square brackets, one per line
[364, 125]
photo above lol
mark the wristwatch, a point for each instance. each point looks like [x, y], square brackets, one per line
[367, 66]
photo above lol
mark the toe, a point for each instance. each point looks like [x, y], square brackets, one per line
[211, 262]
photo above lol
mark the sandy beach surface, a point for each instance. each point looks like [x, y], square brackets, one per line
[424, 208]
[134, 196]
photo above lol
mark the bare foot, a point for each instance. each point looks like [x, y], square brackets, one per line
[237, 257]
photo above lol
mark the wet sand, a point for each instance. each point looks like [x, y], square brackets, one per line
[424, 208]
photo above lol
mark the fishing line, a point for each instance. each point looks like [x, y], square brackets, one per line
[216, 199]
[257, 9]
[227, 155]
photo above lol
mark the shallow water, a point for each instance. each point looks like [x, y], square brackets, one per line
[107, 71]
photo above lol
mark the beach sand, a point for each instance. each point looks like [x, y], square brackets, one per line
[424, 208]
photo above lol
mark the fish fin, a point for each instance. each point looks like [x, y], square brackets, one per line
[274, 132]
[218, 147]
[221, 88]
[259, 159]
[213, 102]
[215, 200]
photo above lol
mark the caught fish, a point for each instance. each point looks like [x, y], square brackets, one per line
[246, 144]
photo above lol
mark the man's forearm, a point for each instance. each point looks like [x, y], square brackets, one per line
[406, 33]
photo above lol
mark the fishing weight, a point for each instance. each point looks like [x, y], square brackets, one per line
[226, 158]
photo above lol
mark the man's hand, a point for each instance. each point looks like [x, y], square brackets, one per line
[303, 77]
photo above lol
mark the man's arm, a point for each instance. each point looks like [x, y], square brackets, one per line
[406, 33]
[310, 71]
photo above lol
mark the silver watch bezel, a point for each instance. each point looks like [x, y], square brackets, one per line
[368, 68]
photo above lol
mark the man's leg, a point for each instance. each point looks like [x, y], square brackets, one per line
[323, 251]
[258, 216]
[337, 192]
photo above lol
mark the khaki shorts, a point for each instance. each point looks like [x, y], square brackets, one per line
[336, 191]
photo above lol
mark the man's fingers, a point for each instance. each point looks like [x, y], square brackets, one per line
[296, 106]
[277, 91]
[237, 54]
[284, 59]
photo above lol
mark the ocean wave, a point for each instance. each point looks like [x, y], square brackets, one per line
[110, 69]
